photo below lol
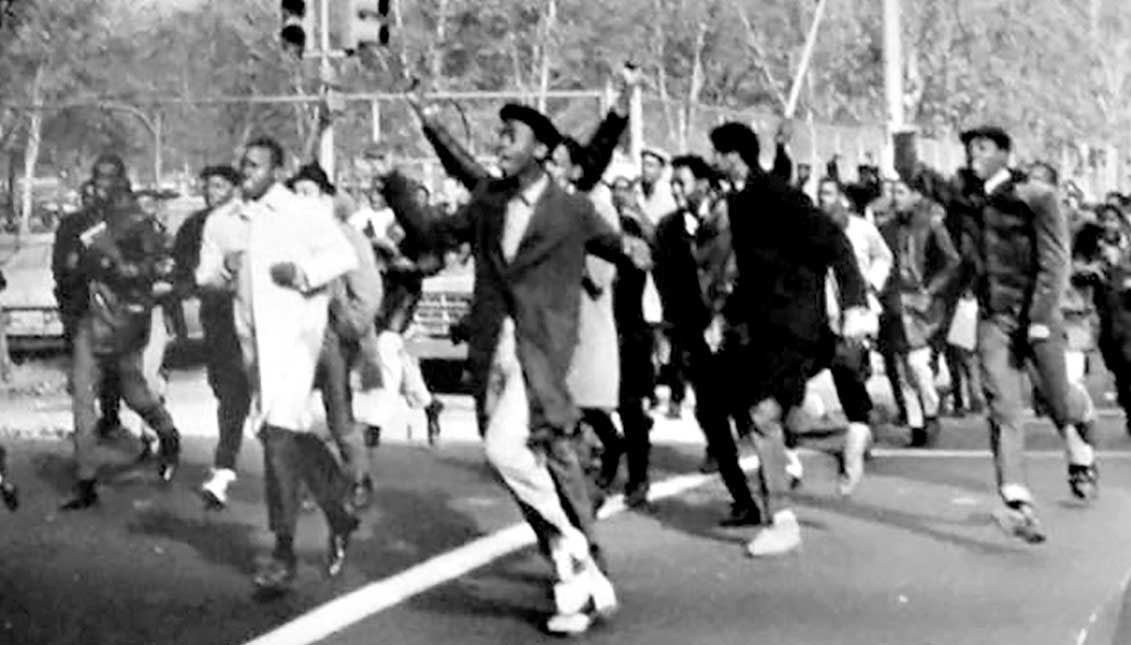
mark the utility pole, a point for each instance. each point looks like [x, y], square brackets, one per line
[326, 150]
[893, 75]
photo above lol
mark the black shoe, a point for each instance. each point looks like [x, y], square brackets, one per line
[339, 543]
[432, 412]
[636, 495]
[610, 464]
[86, 495]
[10, 495]
[372, 436]
[362, 493]
[1083, 481]
[170, 457]
[742, 516]
[276, 577]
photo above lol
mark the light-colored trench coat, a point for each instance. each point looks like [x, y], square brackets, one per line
[281, 329]
[594, 375]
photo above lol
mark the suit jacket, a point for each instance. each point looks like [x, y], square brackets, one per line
[784, 248]
[537, 289]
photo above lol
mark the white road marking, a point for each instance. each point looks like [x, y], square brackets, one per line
[1082, 636]
[375, 597]
[939, 453]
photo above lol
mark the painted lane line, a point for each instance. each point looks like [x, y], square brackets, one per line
[937, 453]
[1114, 602]
[375, 597]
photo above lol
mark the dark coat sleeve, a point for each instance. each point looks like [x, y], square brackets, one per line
[1052, 257]
[783, 165]
[456, 160]
[932, 184]
[427, 228]
[599, 150]
[186, 253]
[949, 260]
[827, 241]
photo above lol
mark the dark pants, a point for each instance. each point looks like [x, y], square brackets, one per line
[87, 370]
[636, 384]
[849, 363]
[333, 379]
[673, 373]
[1006, 355]
[294, 458]
[891, 371]
[963, 366]
[710, 374]
[109, 392]
[228, 379]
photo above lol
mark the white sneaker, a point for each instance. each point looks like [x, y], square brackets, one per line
[602, 593]
[581, 601]
[793, 468]
[214, 492]
[856, 442]
[569, 624]
[780, 538]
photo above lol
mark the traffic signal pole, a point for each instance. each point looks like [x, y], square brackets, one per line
[326, 72]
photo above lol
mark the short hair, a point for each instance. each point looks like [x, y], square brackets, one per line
[1054, 176]
[829, 179]
[278, 157]
[109, 159]
[698, 166]
[225, 172]
[737, 137]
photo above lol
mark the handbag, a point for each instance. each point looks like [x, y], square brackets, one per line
[963, 332]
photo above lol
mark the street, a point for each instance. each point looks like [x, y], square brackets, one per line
[913, 558]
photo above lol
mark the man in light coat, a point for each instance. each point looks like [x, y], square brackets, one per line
[294, 249]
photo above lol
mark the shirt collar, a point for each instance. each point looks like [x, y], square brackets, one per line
[533, 192]
[999, 178]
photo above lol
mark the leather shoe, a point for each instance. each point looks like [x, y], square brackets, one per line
[170, 457]
[10, 494]
[339, 543]
[742, 516]
[86, 495]
[276, 577]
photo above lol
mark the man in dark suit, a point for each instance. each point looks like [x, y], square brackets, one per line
[775, 321]
[1017, 242]
[530, 239]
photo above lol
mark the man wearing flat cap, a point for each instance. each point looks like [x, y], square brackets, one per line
[530, 238]
[199, 250]
[774, 324]
[1016, 240]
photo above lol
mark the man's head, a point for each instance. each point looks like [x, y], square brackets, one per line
[830, 194]
[260, 167]
[108, 174]
[1111, 219]
[149, 203]
[312, 181]
[1114, 198]
[623, 195]
[220, 183]
[1043, 172]
[905, 198]
[987, 150]
[565, 163]
[736, 150]
[652, 164]
[692, 177]
[526, 139]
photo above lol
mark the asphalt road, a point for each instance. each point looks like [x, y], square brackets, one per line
[913, 558]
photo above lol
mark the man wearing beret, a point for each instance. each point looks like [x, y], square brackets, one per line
[774, 324]
[200, 247]
[530, 238]
[1016, 239]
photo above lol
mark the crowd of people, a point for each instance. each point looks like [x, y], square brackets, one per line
[710, 274]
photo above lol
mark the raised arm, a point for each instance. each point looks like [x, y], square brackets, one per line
[456, 160]
[931, 183]
[426, 228]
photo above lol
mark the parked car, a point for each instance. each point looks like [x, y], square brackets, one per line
[29, 300]
[446, 299]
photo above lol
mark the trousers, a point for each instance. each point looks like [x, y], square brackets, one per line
[291, 459]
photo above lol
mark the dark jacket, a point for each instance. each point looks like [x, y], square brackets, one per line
[71, 282]
[529, 289]
[925, 262]
[1016, 238]
[694, 273]
[784, 248]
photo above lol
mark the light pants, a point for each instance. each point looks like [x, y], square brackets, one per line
[525, 470]
[1076, 362]
[917, 381]
[153, 356]
[377, 402]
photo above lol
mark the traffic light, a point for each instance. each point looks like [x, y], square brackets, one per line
[296, 26]
[366, 23]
